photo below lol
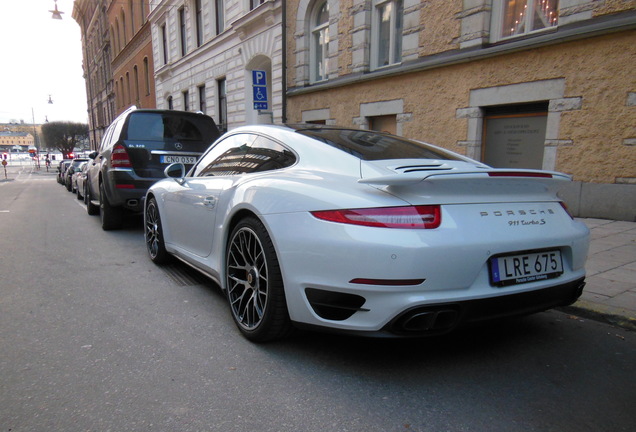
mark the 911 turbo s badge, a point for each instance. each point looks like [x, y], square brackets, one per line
[517, 217]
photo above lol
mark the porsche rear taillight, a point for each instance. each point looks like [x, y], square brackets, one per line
[565, 207]
[519, 174]
[409, 217]
[119, 157]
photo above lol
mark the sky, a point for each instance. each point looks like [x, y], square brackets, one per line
[40, 56]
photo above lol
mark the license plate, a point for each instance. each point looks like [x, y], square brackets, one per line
[186, 160]
[524, 268]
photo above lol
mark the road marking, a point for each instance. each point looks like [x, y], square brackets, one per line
[5, 211]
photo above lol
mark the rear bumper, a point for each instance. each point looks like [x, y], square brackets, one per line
[126, 189]
[443, 318]
[438, 319]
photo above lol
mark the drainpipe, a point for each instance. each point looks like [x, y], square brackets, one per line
[284, 60]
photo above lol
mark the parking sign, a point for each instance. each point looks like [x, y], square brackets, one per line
[259, 89]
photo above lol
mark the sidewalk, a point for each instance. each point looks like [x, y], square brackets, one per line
[610, 293]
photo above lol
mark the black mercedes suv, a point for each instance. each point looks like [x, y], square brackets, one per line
[133, 154]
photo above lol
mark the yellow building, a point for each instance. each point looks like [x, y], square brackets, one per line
[542, 84]
[11, 141]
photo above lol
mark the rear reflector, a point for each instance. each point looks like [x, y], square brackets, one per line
[518, 174]
[385, 282]
[411, 217]
[124, 186]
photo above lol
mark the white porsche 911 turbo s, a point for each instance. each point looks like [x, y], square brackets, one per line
[361, 231]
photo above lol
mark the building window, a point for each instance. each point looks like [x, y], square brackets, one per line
[186, 100]
[128, 92]
[142, 6]
[170, 103]
[518, 17]
[386, 33]
[202, 106]
[256, 3]
[182, 31]
[132, 17]
[164, 43]
[199, 22]
[219, 14]
[222, 92]
[147, 76]
[319, 49]
[136, 78]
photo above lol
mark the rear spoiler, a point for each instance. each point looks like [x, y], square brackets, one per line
[417, 177]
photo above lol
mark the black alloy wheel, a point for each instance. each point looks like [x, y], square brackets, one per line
[255, 284]
[154, 234]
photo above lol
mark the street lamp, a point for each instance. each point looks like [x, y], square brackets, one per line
[56, 13]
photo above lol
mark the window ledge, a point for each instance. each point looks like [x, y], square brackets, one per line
[261, 17]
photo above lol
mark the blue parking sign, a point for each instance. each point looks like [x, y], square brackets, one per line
[259, 89]
[259, 78]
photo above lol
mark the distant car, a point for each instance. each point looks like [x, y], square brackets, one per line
[133, 154]
[361, 231]
[68, 174]
[61, 170]
[77, 180]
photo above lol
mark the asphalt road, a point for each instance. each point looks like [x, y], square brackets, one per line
[94, 337]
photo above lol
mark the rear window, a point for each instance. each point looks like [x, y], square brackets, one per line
[370, 145]
[161, 126]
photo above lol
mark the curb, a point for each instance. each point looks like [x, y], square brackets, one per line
[605, 314]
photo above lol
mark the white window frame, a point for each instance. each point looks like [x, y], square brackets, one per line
[315, 57]
[395, 58]
[497, 21]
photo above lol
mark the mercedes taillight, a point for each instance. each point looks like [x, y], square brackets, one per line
[119, 157]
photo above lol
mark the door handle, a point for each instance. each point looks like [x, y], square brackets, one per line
[209, 202]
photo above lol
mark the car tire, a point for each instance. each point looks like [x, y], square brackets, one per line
[91, 208]
[255, 284]
[112, 217]
[153, 234]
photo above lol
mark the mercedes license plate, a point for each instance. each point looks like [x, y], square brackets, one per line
[186, 160]
[523, 268]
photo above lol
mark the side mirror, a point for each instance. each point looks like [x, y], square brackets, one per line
[175, 171]
[93, 155]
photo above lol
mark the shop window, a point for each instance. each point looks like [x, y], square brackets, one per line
[514, 136]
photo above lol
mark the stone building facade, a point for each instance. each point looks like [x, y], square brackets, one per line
[206, 52]
[546, 84]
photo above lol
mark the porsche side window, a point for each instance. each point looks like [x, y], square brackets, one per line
[267, 155]
[226, 157]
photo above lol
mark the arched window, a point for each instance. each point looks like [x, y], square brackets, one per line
[319, 42]
[124, 38]
[132, 17]
[136, 83]
[147, 76]
[115, 33]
